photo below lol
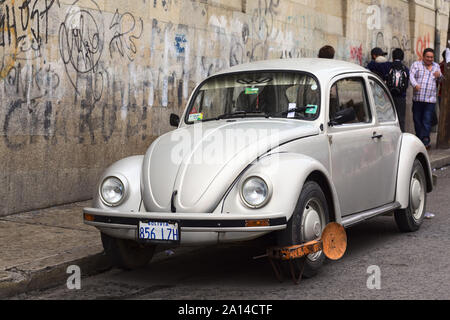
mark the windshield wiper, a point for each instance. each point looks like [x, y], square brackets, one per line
[243, 114]
[296, 109]
[293, 110]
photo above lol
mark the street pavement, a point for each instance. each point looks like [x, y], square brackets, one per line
[37, 247]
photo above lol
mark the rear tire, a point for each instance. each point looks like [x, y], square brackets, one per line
[411, 218]
[127, 254]
[307, 223]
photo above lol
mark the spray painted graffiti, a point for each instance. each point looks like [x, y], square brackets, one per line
[263, 18]
[24, 28]
[81, 41]
[356, 54]
[392, 43]
[421, 44]
[180, 42]
[30, 113]
[127, 29]
[24, 25]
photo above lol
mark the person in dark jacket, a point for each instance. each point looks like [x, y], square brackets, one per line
[400, 97]
[379, 64]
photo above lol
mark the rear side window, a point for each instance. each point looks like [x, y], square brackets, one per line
[350, 93]
[383, 105]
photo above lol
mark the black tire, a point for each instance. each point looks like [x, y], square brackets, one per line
[411, 218]
[127, 254]
[295, 233]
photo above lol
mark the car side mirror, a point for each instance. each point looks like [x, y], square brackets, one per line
[174, 120]
[343, 116]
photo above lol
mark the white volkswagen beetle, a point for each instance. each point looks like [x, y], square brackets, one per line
[282, 146]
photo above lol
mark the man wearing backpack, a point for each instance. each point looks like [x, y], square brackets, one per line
[397, 81]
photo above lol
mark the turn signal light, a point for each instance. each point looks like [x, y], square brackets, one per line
[257, 223]
[89, 217]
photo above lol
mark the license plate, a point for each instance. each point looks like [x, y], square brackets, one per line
[162, 231]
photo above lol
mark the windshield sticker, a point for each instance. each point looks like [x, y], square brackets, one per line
[251, 90]
[311, 109]
[195, 117]
[292, 106]
[314, 87]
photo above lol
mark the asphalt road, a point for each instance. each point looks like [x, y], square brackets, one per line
[380, 263]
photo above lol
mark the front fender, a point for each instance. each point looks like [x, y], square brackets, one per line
[128, 170]
[285, 174]
[412, 148]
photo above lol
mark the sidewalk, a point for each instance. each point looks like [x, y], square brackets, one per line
[37, 247]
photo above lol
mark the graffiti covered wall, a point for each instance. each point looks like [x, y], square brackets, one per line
[84, 83]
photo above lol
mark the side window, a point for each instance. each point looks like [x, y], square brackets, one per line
[383, 105]
[350, 93]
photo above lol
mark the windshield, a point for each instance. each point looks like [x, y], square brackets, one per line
[256, 94]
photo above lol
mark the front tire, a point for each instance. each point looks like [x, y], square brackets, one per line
[307, 223]
[127, 254]
[411, 218]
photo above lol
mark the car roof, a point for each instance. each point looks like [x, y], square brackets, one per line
[324, 69]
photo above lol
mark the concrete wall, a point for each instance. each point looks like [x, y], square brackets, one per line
[85, 83]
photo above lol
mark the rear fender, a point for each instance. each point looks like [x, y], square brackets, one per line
[412, 148]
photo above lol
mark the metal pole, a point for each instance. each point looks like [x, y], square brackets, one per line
[437, 33]
[443, 137]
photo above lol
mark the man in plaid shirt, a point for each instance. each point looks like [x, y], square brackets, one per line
[424, 77]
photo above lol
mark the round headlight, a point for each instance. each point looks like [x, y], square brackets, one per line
[255, 192]
[112, 191]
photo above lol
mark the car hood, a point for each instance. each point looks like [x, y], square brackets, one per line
[191, 168]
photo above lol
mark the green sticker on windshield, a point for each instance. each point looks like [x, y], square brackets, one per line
[311, 109]
[251, 90]
[195, 117]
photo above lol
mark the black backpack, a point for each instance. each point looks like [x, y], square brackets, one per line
[397, 79]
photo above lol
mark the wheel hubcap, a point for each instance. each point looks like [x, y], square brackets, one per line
[417, 196]
[312, 224]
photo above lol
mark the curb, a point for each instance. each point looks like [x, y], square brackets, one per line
[50, 272]
[440, 162]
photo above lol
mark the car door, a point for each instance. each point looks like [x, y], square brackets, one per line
[354, 147]
[389, 141]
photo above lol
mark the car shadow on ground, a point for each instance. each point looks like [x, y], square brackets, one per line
[235, 263]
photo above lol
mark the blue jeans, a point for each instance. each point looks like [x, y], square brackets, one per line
[422, 116]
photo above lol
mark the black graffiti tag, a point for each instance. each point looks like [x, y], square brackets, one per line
[127, 31]
[24, 25]
[22, 125]
[81, 47]
[81, 39]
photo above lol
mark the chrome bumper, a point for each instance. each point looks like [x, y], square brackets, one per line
[200, 227]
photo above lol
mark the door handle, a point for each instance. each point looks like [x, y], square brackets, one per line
[377, 136]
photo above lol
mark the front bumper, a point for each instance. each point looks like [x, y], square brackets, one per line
[196, 228]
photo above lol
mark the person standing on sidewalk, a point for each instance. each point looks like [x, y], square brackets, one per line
[379, 64]
[326, 52]
[424, 77]
[397, 81]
